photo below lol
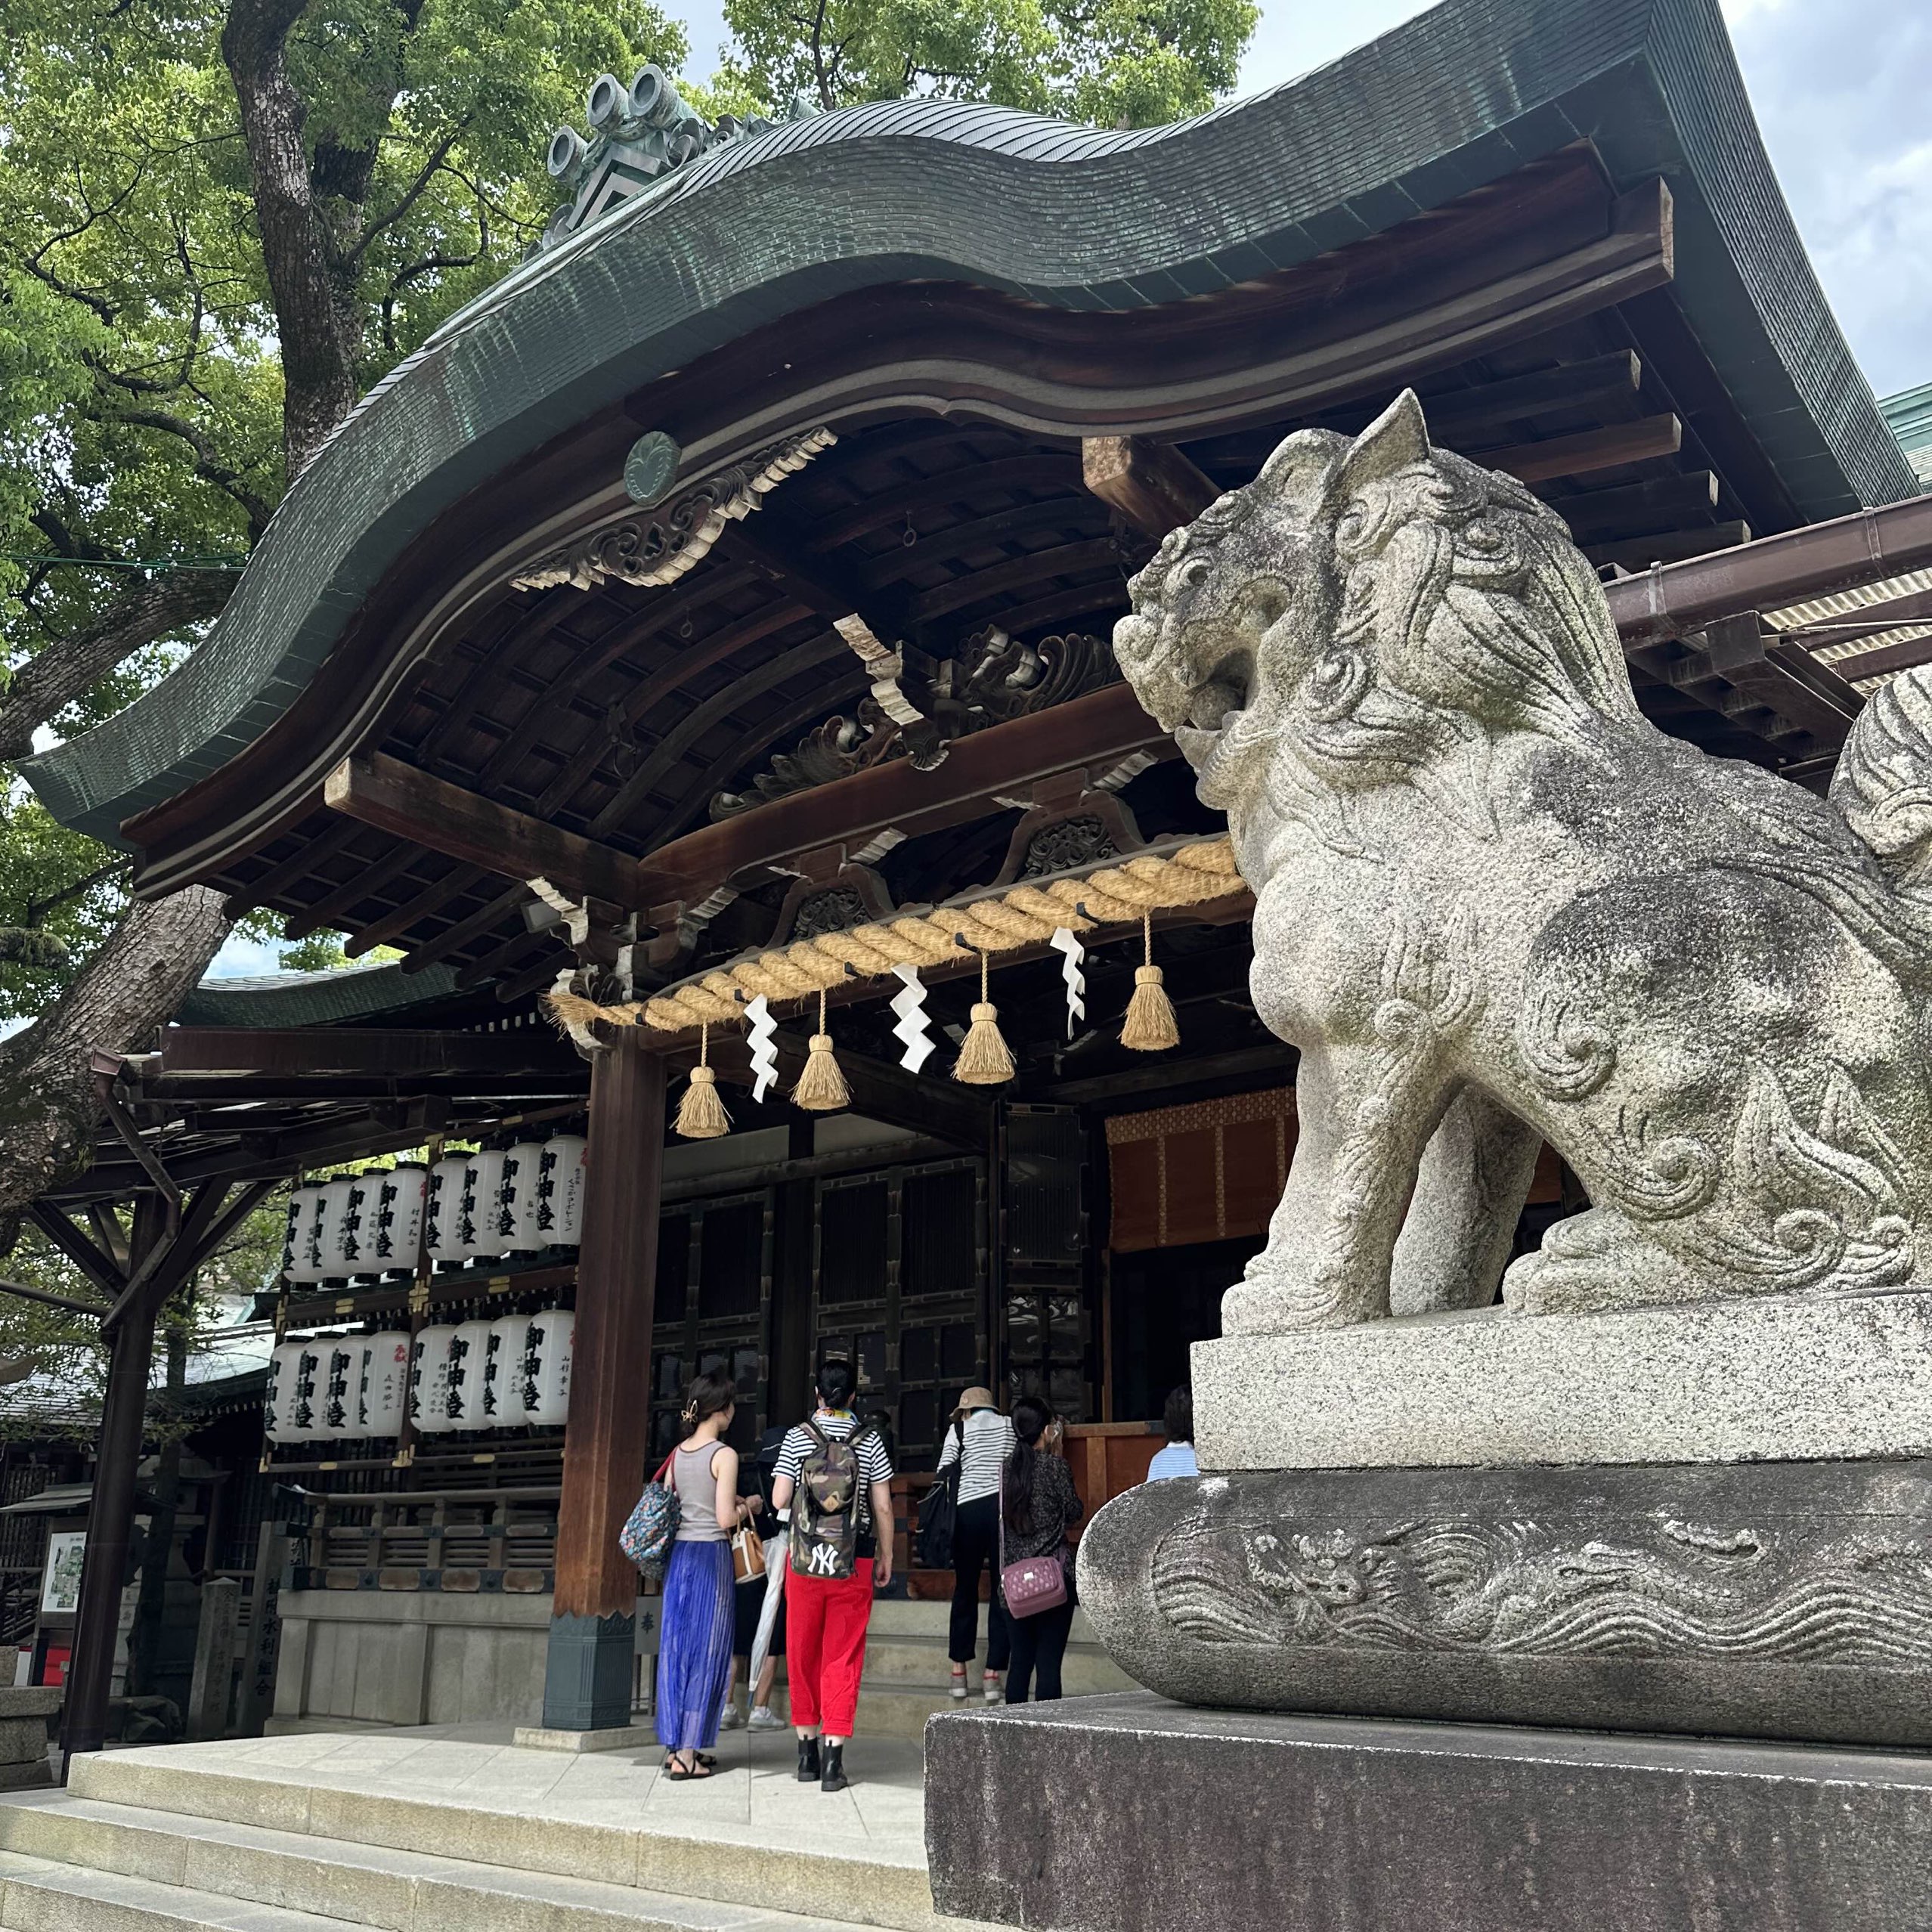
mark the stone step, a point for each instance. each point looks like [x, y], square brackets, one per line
[37, 1895]
[616, 1845]
[247, 1875]
[906, 1663]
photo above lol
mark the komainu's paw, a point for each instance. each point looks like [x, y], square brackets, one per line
[1271, 1304]
[1595, 1262]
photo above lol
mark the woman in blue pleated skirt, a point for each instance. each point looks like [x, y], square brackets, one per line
[694, 1654]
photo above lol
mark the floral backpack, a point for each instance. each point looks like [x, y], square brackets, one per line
[647, 1538]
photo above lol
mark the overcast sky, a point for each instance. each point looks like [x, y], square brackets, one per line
[1841, 88]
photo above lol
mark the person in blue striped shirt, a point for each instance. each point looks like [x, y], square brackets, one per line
[1178, 1458]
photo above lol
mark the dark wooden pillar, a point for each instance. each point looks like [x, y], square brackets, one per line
[587, 1677]
[111, 1508]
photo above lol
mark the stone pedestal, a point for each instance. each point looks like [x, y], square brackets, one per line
[1710, 1518]
[1128, 1814]
[214, 1659]
[24, 1712]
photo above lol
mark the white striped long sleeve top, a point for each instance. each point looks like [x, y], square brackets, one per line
[989, 1440]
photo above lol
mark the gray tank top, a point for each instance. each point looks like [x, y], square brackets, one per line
[698, 1491]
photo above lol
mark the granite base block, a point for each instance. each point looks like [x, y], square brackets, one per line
[1125, 1813]
[1789, 1600]
[1780, 1378]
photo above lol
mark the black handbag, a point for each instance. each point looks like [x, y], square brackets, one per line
[939, 1513]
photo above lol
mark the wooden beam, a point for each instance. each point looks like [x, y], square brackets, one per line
[452, 939]
[1634, 553]
[880, 1091]
[383, 792]
[1154, 486]
[398, 1054]
[1096, 732]
[1589, 450]
[1658, 502]
[101, 1268]
[1457, 413]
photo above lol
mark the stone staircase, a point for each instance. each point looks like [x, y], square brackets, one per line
[303, 1833]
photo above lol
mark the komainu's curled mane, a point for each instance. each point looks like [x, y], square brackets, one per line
[1496, 907]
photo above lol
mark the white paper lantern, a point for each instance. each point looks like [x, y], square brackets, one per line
[469, 1357]
[302, 1204]
[476, 1228]
[560, 1204]
[443, 1207]
[310, 1267]
[382, 1393]
[429, 1380]
[278, 1402]
[546, 1351]
[502, 1372]
[331, 1220]
[300, 1405]
[520, 1198]
[359, 1214]
[399, 1200]
[341, 1377]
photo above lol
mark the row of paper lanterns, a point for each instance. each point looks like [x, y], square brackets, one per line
[519, 1200]
[513, 1372]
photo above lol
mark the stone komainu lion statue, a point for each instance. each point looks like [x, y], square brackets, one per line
[1495, 905]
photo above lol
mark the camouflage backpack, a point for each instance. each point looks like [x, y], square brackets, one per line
[829, 1507]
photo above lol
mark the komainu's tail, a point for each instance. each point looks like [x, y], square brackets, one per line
[1883, 786]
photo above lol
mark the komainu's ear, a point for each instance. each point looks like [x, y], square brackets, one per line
[1397, 438]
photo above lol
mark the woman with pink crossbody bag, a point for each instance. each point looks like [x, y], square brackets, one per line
[1037, 1507]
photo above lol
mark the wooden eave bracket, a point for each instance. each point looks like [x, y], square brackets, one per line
[1154, 486]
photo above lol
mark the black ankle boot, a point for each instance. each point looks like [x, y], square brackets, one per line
[808, 1760]
[834, 1779]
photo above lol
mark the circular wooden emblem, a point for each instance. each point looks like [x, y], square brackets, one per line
[649, 468]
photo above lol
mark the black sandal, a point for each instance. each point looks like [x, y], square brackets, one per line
[676, 1774]
[703, 1758]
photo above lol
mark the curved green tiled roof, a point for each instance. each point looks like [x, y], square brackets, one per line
[329, 998]
[1079, 218]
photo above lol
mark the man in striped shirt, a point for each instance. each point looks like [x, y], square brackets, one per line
[828, 1616]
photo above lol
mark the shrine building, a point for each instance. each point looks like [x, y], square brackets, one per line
[700, 647]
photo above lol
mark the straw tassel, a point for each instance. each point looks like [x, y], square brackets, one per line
[820, 1087]
[984, 1060]
[701, 1114]
[1151, 1026]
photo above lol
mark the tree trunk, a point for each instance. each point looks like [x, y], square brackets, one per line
[318, 357]
[71, 666]
[47, 1105]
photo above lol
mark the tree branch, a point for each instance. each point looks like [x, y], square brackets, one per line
[425, 176]
[70, 668]
[230, 482]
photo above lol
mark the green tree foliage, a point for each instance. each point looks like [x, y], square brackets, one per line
[220, 221]
[1115, 62]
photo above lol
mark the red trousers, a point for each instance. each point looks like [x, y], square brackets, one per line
[824, 1646]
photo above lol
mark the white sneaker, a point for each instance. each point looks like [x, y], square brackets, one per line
[766, 1718]
[996, 1691]
[956, 1686]
[731, 1718]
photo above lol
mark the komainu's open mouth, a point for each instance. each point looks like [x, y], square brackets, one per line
[1214, 704]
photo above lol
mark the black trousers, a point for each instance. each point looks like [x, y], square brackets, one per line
[976, 1547]
[1039, 1644]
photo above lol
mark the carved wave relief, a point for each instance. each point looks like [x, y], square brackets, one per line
[1662, 1589]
